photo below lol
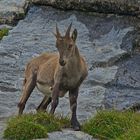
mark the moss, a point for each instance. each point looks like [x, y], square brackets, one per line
[31, 126]
[3, 32]
[112, 124]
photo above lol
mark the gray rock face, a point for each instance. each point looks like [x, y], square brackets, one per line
[69, 135]
[127, 7]
[113, 79]
[126, 85]
[32, 36]
[12, 10]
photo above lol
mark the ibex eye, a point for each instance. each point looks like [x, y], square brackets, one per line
[70, 46]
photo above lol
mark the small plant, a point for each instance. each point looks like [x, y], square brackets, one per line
[3, 32]
[31, 126]
[113, 125]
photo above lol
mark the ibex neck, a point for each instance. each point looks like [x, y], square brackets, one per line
[77, 54]
[75, 61]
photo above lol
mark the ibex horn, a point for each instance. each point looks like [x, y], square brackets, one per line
[68, 31]
[57, 31]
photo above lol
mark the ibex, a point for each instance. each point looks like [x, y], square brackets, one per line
[55, 74]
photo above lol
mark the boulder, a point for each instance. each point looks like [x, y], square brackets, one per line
[127, 7]
[13, 10]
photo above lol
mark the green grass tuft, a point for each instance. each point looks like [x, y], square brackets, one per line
[3, 32]
[131, 134]
[24, 130]
[31, 126]
[113, 125]
[51, 122]
[106, 125]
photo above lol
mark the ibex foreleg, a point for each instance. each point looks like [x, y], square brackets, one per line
[73, 94]
[55, 98]
[28, 86]
[45, 102]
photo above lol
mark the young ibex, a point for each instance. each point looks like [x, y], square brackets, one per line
[55, 74]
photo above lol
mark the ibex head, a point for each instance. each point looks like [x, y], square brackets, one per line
[65, 44]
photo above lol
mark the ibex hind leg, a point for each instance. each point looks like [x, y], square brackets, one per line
[28, 86]
[44, 104]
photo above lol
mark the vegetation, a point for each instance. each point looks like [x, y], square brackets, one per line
[31, 126]
[3, 32]
[106, 125]
[114, 125]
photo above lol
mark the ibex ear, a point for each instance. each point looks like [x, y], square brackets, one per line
[74, 35]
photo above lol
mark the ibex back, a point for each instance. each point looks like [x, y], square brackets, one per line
[55, 74]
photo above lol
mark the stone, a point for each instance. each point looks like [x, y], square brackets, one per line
[12, 10]
[128, 74]
[99, 39]
[33, 36]
[127, 7]
[104, 75]
[68, 135]
[6, 26]
[121, 98]
[123, 91]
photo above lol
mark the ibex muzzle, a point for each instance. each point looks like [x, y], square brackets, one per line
[62, 62]
[63, 72]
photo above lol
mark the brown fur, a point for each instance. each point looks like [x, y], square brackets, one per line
[55, 74]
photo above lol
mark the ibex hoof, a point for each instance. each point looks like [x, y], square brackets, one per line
[76, 126]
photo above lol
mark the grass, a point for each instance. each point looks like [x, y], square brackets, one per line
[106, 125]
[114, 125]
[3, 32]
[31, 126]
[131, 134]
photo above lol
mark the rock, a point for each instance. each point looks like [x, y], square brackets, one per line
[68, 135]
[33, 36]
[128, 74]
[123, 91]
[136, 44]
[108, 47]
[6, 26]
[121, 98]
[12, 10]
[104, 75]
[127, 7]
[100, 39]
